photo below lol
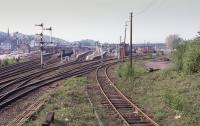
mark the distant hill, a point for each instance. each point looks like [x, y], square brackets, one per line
[27, 39]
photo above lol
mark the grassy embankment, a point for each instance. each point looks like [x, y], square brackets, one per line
[165, 94]
[69, 101]
[6, 62]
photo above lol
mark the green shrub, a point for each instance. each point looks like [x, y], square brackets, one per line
[179, 55]
[6, 62]
[187, 56]
[191, 60]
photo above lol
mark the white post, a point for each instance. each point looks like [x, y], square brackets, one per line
[50, 36]
[41, 56]
[118, 51]
[42, 44]
[17, 46]
[61, 56]
[101, 52]
[74, 51]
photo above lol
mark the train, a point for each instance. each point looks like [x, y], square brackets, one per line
[66, 51]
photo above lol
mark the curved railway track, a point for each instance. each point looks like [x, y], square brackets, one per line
[13, 70]
[122, 106]
[25, 88]
[25, 78]
[16, 69]
[22, 78]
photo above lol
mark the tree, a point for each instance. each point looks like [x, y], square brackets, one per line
[173, 40]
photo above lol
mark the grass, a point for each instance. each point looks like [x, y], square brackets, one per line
[125, 72]
[165, 94]
[69, 102]
[6, 62]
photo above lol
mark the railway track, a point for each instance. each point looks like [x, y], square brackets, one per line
[17, 66]
[130, 114]
[23, 80]
[19, 75]
[16, 69]
[22, 68]
[26, 86]
[75, 71]
[24, 89]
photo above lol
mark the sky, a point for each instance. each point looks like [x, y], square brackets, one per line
[103, 20]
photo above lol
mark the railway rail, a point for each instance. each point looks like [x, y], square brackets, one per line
[25, 88]
[120, 104]
[22, 79]
[17, 69]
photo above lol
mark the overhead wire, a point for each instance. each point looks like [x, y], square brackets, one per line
[148, 7]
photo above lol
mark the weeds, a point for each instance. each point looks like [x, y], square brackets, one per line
[125, 72]
[70, 102]
[6, 62]
[187, 56]
[166, 94]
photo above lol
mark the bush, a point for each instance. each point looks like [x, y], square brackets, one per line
[191, 60]
[179, 55]
[187, 57]
[6, 62]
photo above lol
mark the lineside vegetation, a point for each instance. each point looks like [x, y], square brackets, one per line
[187, 56]
[70, 102]
[5, 62]
[169, 96]
[172, 95]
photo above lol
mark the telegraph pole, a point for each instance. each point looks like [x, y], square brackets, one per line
[131, 64]
[41, 44]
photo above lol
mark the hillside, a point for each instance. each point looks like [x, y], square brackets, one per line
[11, 39]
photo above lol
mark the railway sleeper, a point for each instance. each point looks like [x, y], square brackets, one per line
[123, 107]
[148, 124]
[136, 118]
[115, 97]
[108, 92]
[131, 114]
[119, 102]
[138, 122]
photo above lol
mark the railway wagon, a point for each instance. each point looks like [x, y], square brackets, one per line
[67, 51]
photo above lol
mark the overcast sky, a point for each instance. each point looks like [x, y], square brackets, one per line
[103, 19]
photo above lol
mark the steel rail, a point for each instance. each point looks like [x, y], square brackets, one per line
[132, 104]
